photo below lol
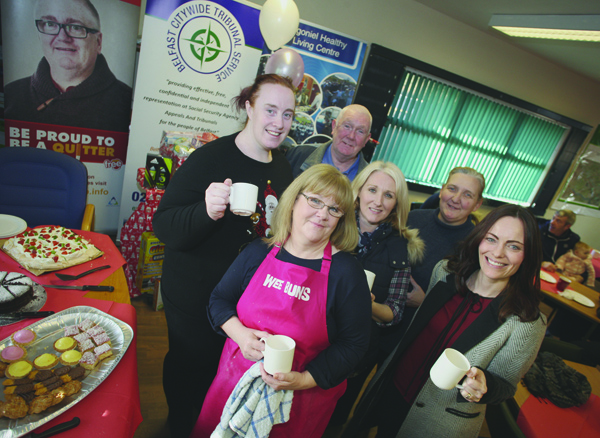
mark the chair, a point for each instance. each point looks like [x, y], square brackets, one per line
[44, 187]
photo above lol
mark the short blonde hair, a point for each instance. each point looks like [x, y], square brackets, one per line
[323, 180]
[472, 173]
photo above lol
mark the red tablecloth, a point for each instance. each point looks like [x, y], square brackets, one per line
[543, 419]
[113, 408]
[112, 256]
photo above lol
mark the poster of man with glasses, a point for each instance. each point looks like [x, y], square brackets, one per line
[68, 75]
[73, 84]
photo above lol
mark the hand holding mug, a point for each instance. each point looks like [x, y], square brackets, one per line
[217, 198]
[247, 339]
[292, 380]
[474, 386]
[250, 344]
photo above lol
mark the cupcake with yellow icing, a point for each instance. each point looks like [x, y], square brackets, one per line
[19, 370]
[45, 361]
[70, 357]
[65, 344]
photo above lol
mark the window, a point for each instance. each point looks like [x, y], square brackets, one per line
[383, 80]
[434, 125]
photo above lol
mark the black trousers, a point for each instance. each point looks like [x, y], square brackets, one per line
[190, 365]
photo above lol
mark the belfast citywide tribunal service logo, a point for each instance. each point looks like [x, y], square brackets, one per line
[206, 38]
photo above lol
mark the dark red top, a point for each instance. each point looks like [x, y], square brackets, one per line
[441, 332]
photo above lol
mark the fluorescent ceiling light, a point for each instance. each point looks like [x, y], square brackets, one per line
[556, 27]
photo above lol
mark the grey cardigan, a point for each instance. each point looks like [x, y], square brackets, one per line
[504, 351]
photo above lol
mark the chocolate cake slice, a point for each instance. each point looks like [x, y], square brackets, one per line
[16, 290]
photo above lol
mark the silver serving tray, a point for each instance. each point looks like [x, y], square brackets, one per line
[49, 330]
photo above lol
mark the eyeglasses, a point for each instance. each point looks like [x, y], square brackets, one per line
[318, 204]
[72, 30]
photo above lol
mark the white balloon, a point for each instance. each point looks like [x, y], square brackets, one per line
[278, 21]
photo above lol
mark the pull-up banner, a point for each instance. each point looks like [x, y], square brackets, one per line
[195, 58]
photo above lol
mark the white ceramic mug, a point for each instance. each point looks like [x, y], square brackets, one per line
[242, 198]
[370, 278]
[449, 369]
[279, 353]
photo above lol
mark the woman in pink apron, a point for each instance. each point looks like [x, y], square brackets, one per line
[308, 288]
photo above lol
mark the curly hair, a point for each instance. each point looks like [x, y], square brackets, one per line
[522, 294]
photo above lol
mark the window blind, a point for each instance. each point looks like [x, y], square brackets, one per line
[433, 126]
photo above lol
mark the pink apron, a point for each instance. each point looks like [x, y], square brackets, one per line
[286, 299]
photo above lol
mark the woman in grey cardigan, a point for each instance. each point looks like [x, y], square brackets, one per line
[484, 303]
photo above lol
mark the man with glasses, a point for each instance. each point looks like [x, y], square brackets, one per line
[350, 133]
[73, 84]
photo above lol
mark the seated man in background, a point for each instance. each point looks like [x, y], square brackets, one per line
[350, 132]
[558, 238]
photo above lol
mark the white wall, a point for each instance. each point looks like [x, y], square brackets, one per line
[422, 33]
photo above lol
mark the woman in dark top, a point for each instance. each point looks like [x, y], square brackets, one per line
[301, 283]
[202, 236]
[387, 247]
[483, 303]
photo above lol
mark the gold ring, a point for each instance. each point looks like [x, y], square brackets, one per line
[468, 396]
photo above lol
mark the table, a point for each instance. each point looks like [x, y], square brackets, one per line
[113, 408]
[121, 293]
[588, 313]
[544, 419]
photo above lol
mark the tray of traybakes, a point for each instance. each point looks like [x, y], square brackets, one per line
[51, 365]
